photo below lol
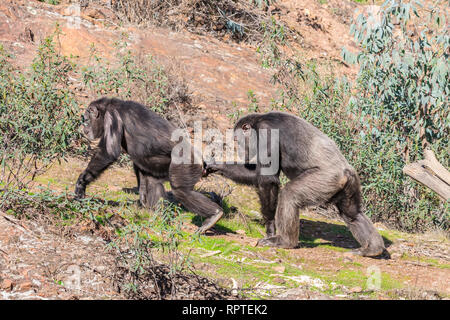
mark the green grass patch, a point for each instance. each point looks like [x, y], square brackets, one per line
[433, 262]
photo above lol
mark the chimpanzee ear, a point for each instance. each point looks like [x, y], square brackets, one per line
[113, 133]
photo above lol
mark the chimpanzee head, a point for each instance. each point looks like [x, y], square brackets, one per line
[245, 133]
[247, 123]
[93, 118]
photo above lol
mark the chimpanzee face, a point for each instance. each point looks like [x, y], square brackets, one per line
[246, 138]
[93, 123]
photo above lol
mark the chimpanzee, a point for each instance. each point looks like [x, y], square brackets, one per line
[318, 173]
[146, 137]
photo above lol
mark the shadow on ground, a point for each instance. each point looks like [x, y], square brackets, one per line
[331, 234]
[217, 229]
[134, 190]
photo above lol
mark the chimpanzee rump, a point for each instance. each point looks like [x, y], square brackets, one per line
[146, 137]
[318, 174]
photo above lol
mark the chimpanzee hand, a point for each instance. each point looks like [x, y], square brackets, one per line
[80, 191]
[210, 168]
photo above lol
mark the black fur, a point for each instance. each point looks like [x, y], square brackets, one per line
[146, 137]
[318, 174]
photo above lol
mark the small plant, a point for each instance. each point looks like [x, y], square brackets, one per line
[236, 114]
[274, 35]
[133, 76]
[167, 222]
[57, 208]
[54, 2]
[401, 101]
[262, 3]
[252, 107]
[161, 233]
[39, 116]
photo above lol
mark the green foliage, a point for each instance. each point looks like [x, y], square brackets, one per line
[235, 114]
[39, 117]
[133, 77]
[262, 3]
[138, 243]
[401, 102]
[398, 106]
[54, 2]
[404, 75]
[274, 35]
[162, 232]
[50, 204]
[252, 107]
[167, 222]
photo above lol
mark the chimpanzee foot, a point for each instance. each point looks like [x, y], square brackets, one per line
[374, 247]
[210, 222]
[270, 228]
[268, 242]
[80, 193]
[274, 241]
[368, 252]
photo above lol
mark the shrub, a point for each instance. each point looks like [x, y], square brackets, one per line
[401, 101]
[397, 107]
[39, 117]
[134, 76]
[240, 20]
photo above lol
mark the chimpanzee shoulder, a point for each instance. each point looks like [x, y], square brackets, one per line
[274, 119]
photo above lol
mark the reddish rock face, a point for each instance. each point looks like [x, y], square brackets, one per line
[7, 285]
[217, 73]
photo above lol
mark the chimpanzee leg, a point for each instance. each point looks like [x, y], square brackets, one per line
[151, 190]
[349, 205]
[268, 196]
[138, 178]
[365, 233]
[309, 188]
[287, 222]
[182, 178]
[99, 162]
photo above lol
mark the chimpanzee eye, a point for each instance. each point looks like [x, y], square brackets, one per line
[246, 127]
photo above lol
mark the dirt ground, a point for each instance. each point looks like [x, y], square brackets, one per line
[36, 263]
[42, 261]
[219, 71]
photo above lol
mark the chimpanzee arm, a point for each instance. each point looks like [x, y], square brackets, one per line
[240, 173]
[109, 151]
[99, 163]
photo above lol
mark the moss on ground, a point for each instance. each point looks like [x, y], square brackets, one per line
[224, 258]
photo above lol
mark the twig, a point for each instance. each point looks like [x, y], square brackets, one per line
[180, 115]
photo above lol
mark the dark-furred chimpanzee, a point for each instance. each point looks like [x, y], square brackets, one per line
[146, 137]
[318, 174]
